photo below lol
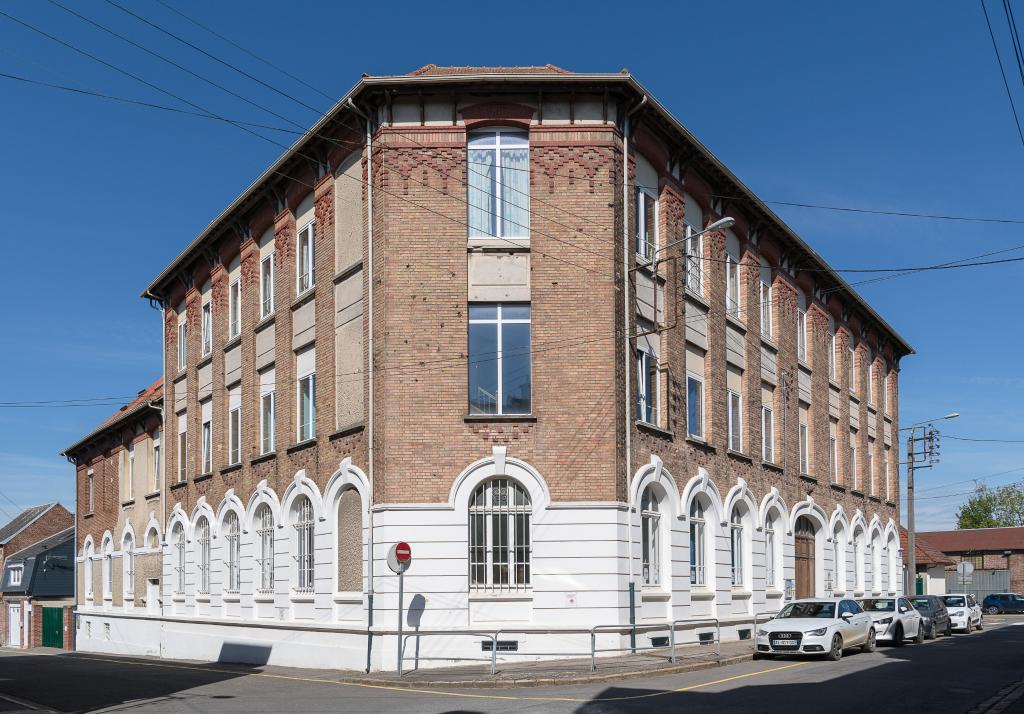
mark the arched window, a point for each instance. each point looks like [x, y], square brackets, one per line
[770, 554]
[231, 539]
[499, 536]
[349, 534]
[650, 528]
[698, 543]
[736, 547]
[264, 522]
[152, 539]
[178, 539]
[89, 585]
[108, 569]
[128, 565]
[894, 565]
[837, 575]
[303, 520]
[876, 563]
[858, 560]
[203, 551]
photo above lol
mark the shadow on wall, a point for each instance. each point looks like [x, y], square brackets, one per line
[244, 653]
[413, 619]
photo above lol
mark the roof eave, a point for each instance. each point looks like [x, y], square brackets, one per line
[110, 425]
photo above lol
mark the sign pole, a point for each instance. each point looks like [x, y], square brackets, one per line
[401, 593]
[399, 560]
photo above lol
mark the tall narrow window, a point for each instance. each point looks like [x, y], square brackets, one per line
[235, 424]
[851, 368]
[833, 459]
[697, 543]
[267, 410]
[650, 528]
[870, 454]
[735, 421]
[129, 485]
[732, 286]
[206, 444]
[108, 570]
[853, 462]
[264, 522]
[89, 589]
[203, 555]
[499, 358]
[836, 576]
[306, 363]
[695, 406]
[89, 482]
[179, 559]
[182, 446]
[858, 560]
[267, 286]
[801, 335]
[498, 191]
[832, 355]
[885, 471]
[233, 546]
[304, 262]
[645, 224]
[765, 297]
[771, 581]
[207, 329]
[303, 513]
[128, 565]
[499, 536]
[886, 397]
[647, 386]
[869, 388]
[805, 464]
[767, 435]
[234, 308]
[736, 547]
[154, 477]
[182, 345]
[694, 260]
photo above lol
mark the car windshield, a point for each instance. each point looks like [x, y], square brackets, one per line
[955, 601]
[922, 603]
[818, 610]
[878, 605]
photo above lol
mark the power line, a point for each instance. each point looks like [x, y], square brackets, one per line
[970, 480]
[1002, 71]
[964, 493]
[992, 441]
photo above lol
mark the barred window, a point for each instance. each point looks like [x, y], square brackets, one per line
[698, 543]
[179, 559]
[650, 527]
[499, 536]
[265, 544]
[203, 548]
[303, 511]
[231, 536]
[771, 581]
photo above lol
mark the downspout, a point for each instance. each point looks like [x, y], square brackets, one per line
[164, 449]
[627, 353]
[369, 367]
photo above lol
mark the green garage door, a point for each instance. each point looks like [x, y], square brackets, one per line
[53, 627]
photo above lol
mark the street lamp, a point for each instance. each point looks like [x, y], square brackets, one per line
[720, 224]
[930, 458]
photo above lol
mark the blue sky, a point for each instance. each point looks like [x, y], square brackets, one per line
[895, 106]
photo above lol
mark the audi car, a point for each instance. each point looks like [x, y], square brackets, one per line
[964, 611]
[894, 619]
[812, 626]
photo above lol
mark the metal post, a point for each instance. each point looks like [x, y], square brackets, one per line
[672, 640]
[911, 541]
[401, 593]
[593, 655]
[494, 652]
[632, 613]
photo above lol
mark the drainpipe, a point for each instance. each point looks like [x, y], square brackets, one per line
[369, 366]
[627, 353]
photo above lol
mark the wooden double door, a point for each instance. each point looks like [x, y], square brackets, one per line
[803, 542]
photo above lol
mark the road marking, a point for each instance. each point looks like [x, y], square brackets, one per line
[435, 692]
[27, 704]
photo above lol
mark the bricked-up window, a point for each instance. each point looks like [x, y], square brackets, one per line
[231, 536]
[182, 446]
[264, 521]
[694, 406]
[698, 543]
[178, 539]
[234, 308]
[128, 565]
[89, 476]
[203, 554]
[154, 477]
[235, 424]
[108, 569]
[735, 421]
[206, 443]
[305, 362]
[499, 536]
[736, 546]
[207, 329]
[267, 286]
[801, 335]
[182, 344]
[304, 261]
[498, 192]
[500, 380]
[302, 512]
[648, 407]
[267, 392]
[767, 434]
[770, 554]
[650, 537]
[645, 224]
[732, 286]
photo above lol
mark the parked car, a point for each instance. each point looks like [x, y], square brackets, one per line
[894, 619]
[934, 615]
[964, 611]
[999, 603]
[824, 626]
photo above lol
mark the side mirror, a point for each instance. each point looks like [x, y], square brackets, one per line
[846, 615]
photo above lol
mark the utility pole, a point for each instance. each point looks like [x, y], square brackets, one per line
[923, 453]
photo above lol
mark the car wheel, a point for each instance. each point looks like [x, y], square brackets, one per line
[980, 625]
[897, 636]
[869, 645]
[992, 610]
[836, 653]
[919, 637]
[930, 634]
[949, 629]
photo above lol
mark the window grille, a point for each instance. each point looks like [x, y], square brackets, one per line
[233, 545]
[265, 542]
[499, 537]
[304, 544]
[203, 545]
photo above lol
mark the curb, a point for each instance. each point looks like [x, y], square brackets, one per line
[489, 682]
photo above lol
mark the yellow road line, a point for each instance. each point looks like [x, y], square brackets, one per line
[436, 692]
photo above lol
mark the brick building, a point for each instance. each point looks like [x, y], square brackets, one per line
[443, 316]
[39, 583]
[985, 549]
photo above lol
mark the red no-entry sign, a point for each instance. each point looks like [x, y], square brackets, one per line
[403, 552]
[399, 557]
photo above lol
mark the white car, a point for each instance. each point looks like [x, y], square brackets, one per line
[964, 611]
[823, 626]
[894, 619]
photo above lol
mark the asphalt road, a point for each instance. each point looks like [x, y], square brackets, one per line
[945, 675]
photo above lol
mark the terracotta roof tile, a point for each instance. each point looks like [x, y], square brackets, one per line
[927, 553]
[153, 391]
[977, 539]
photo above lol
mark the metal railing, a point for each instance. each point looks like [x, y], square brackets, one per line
[493, 637]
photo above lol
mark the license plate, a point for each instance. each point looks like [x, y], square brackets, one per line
[784, 643]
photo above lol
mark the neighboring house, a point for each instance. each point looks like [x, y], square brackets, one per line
[931, 565]
[987, 549]
[481, 310]
[28, 527]
[38, 589]
[119, 468]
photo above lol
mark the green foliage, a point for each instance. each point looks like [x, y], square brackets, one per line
[993, 507]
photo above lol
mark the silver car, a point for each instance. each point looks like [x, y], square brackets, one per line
[894, 619]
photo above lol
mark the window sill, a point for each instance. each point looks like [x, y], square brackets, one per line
[233, 342]
[204, 360]
[839, 487]
[299, 446]
[804, 363]
[701, 592]
[202, 597]
[876, 499]
[855, 492]
[151, 496]
[501, 597]
[348, 598]
[264, 323]
[890, 503]
[736, 322]
[180, 373]
[655, 594]
[477, 418]
[231, 468]
[231, 597]
[697, 298]
[700, 443]
[773, 592]
[177, 484]
[301, 597]
[87, 515]
[499, 245]
[129, 502]
[741, 594]
[772, 466]
[346, 431]
[178, 597]
[263, 597]
[348, 271]
[808, 478]
[768, 342]
[202, 477]
[739, 456]
[654, 429]
[833, 383]
[262, 457]
[303, 298]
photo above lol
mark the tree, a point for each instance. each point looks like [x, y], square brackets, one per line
[993, 507]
